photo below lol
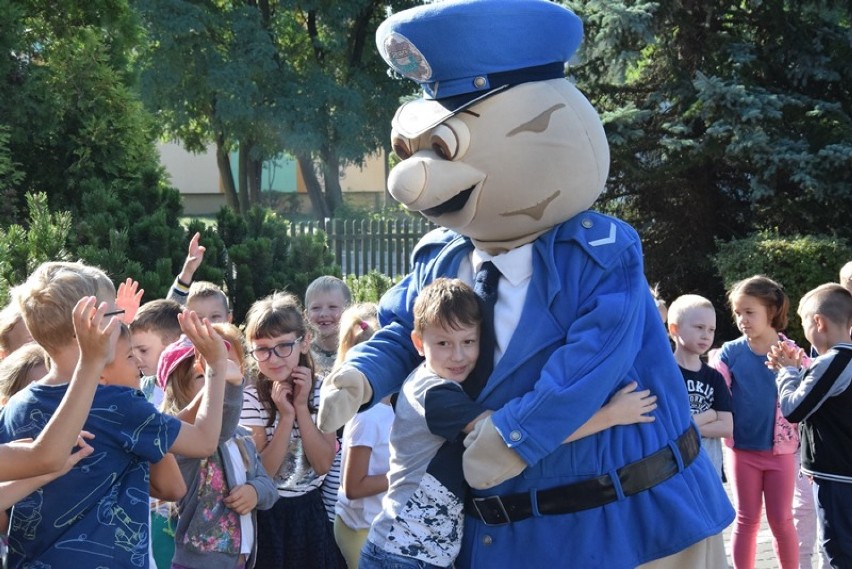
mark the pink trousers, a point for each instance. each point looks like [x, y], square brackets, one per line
[759, 477]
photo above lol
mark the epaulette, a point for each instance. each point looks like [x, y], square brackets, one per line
[604, 238]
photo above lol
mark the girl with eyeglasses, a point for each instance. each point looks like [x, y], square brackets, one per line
[281, 412]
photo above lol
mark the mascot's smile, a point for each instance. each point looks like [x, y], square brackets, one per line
[451, 205]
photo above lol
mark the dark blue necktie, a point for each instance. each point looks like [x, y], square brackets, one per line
[485, 286]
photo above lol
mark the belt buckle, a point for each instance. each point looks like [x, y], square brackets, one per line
[491, 510]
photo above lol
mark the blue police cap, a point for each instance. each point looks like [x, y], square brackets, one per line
[464, 50]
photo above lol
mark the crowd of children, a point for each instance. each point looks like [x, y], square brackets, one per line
[161, 435]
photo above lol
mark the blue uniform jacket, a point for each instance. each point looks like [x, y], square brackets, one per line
[588, 327]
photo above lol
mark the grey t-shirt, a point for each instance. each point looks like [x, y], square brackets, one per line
[422, 512]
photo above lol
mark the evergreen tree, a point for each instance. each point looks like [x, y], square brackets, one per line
[724, 118]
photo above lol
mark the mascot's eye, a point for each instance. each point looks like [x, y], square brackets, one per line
[401, 146]
[450, 139]
[442, 149]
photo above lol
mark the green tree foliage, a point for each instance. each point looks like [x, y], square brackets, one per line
[724, 118]
[798, 263]
[23, 249]
[75, 130]
[265, 77]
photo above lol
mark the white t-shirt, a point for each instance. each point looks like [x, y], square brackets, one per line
[370, 428]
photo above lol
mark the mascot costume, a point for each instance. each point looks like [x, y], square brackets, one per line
[506, 156]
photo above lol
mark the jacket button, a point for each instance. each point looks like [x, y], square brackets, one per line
[479, 82]
[487, 540]
[587, 223]
[515, 436]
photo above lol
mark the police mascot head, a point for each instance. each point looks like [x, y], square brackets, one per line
[501, 146]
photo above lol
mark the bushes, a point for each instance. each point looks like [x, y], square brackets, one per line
[370, 287]
[798, 263]
[253, 256]
[250, 257]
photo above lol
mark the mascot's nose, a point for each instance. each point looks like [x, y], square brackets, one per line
[426, 181]
[407, 181]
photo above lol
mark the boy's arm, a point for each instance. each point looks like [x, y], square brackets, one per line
[189, 413]
[13, 491]
[722, 427]
[50, 450]
[166, 480]
[200, 439]
[626, 407]
[705, 418]
[194, 256]
[797, 390]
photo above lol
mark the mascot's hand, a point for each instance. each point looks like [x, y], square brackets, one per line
[342, 393]
[487, 460]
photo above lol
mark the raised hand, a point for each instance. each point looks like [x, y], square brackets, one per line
[784, 354]
[128, 297]
[194, 257]
[208, 343]
[96, 334]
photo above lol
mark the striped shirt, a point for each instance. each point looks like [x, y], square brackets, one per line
[296, 476]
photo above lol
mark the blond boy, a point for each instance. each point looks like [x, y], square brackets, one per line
[97, 514]
[692, 327]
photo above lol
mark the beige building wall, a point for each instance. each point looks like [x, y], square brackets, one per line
[196, 177]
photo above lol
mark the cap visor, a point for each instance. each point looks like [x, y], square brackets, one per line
[416, 117]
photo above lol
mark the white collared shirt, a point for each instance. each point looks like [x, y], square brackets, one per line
[516, 270]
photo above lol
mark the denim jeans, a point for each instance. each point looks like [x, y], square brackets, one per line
[373, 557]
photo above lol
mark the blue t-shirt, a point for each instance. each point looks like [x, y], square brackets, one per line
[754, 396]
[97, 514]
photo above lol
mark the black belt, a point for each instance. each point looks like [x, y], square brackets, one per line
[593, 493]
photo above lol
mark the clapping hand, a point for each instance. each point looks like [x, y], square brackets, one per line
[784, 354]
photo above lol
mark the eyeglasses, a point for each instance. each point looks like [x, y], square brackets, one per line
[282, 350]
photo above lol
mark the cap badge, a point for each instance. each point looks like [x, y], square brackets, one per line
[405, 58]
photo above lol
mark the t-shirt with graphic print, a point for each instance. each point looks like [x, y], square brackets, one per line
[97, 514]
[423, 511]
[707, 390]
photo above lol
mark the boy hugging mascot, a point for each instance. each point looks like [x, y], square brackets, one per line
[506, 155]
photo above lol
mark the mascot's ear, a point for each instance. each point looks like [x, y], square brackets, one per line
[513, 42]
